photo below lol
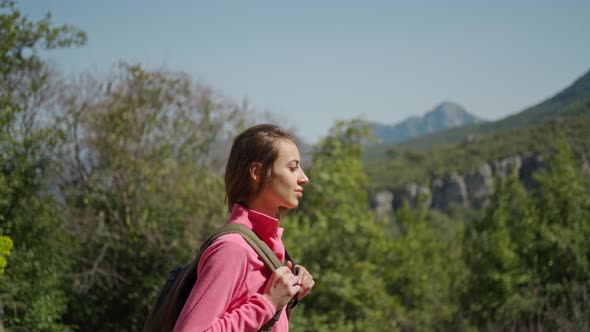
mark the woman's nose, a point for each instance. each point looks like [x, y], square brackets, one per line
[303, 179]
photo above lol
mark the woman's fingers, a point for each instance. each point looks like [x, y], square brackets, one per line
[306, 281]
[282, 286]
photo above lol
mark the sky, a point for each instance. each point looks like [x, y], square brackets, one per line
[311, 63]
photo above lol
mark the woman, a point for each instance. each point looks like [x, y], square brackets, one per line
[235, 291]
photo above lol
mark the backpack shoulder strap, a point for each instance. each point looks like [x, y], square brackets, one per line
[261, 248]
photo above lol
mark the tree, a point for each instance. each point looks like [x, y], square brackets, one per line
[500, 254]
[340, 241]
[31, 292]
[561, 206]
[141, 183]
[529, 256]
[425, 270]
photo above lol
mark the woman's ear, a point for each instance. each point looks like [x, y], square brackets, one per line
[255, 172]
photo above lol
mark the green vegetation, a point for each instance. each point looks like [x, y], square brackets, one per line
[340, 242]
[400, 165]
[105, 184]
[32, 290]
[5, 247]
[140, 184]
[531, 252]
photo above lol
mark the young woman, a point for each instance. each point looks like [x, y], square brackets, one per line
[235, 291]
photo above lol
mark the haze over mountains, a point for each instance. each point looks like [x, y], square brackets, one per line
[444, 116]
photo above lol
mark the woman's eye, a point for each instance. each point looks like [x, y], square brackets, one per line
[293, 169]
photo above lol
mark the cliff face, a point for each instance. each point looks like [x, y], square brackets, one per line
[466, 190]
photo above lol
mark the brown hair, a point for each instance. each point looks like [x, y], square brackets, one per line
[255, 145]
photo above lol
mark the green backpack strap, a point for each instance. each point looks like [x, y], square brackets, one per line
[266, 254]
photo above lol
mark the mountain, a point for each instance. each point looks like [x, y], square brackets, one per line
[572, 101]
[444, 116]
[532, 132]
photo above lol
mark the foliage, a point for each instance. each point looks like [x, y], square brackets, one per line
[340, 241]
[141, 185]
[531, 251]
[32, 289]
[371, 274]
[33, 294]
[426, 270]
[498, 244]
[5, 247]
[399, 165]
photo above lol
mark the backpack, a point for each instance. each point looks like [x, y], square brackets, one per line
[173, 295]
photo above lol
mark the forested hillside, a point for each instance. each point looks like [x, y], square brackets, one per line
[400, 165]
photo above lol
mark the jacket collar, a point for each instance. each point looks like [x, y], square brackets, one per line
[258, 222]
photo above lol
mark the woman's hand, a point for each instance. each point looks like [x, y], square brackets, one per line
[305, 281]
[282, 286]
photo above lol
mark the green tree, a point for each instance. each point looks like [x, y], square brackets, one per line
[340, 241]
[529, 255]
[142, 185]
[371, 274]
[562, 207]
[500, 255]
[425, 270]
[32, 289]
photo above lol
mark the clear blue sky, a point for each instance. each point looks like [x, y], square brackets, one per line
[312, 62]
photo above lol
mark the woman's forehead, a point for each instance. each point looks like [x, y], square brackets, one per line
[288, 151]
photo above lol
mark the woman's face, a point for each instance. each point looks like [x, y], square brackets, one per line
[285, 186]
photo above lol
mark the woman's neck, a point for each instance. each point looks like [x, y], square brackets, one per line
[260, 207]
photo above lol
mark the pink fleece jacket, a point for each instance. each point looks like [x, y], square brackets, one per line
[231, 279]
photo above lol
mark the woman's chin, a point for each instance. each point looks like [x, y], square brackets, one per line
[291, 205]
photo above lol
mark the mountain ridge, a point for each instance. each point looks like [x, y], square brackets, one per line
[445, 115]
[570, 101]
[531, 132]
